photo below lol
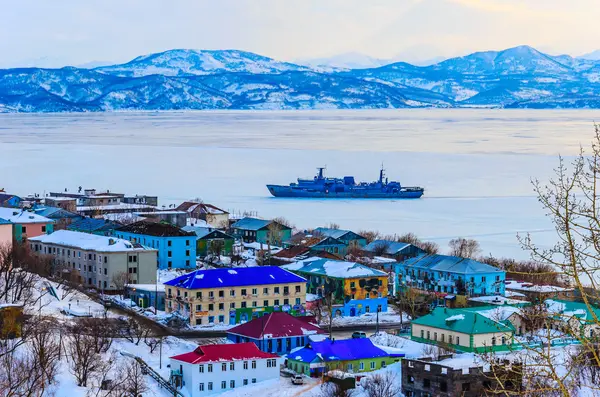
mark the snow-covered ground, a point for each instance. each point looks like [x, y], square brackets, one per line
[391, 316]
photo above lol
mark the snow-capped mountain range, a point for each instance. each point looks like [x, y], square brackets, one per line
[519, 77]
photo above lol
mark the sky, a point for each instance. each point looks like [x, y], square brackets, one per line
[75, 32]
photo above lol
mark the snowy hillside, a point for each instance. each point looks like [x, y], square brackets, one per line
[231, 79]
[177, 62]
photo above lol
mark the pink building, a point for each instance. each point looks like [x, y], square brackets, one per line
[6, 236]
[26, 224]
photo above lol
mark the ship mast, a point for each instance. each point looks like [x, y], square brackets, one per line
[320, 174]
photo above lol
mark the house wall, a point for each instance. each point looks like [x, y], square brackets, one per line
[192, 377]
[261, 236]
[97, 269]
[217, 220]
[352, 366]
[6, 235]
[202, 246]
[226, 308]
[357, 307]
[273, 345]
[24, 231]
[173, 252]
[466, 342]
[147, 298]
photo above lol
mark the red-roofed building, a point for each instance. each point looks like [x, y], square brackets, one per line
[277, 332]
[212, 369]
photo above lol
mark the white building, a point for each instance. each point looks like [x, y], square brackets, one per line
[212, 369]
[98, 260]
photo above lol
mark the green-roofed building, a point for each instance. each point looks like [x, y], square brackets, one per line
[575, 316]
[464, 329]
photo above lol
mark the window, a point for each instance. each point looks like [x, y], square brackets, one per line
[223, 384]
[221, 294]
[24, 228]
[199, 295]
[198, 308]
[253, 366]
[210, 386]
[221, 319]
[232, 366]
[367, 309]
[201, 368]
[276, 290]
[187, 262]
[422, 333]
[254, 291]
[187, 252]
[187, 242]
[201, 387]
[232, 384]
[169, 254]
[493, 341]
[169, 243]
[43, 229]
[442, 336]
[286, 290]
[254, 304]
[458, 340]
[209, 369]
[349, 367]
[352, 284]
[450, 339]
[245, 382]
[361, 366]
[232, 305]
[372, 364]
[428, 334]
[483, 279]
[224, 367]
[444, 371]
[244, 292]
[266, 291]
[298, 289]
[211, 294]
[221, 306]
[243, 305]
[253, 380]
[245, 364]
[276, 302]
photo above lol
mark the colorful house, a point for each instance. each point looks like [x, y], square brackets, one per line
[231, 296]
[450, 275]
[348, 355]
[10, 200]
[26, 224]
[356, 289]
[276, 332]
[392, 249]
[347, 236]
[101, 227]
[262, 231]
[6, 233]
[176, 247]
[61, 217]
[574, 316]
[207, 237]
[146, 295]
[214, 369]
[463, 330]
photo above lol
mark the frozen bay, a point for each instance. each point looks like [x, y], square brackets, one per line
[476, 165]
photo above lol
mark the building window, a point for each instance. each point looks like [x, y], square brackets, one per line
[349, 367]
[493, 341]
[24, 230]
[221, 319]
[221, 306]
[232, 366]
[298, 301]
[232, 292]
[265, 303]
[224, 367]
[458, 340]
[211, 294]
[187, 262]
[428, 334]
[266, 291]
[187, 242]
[232, 305]
[253, 380]
[372, 364]
[43, 229]
[276, 290]
[232, 384]
[244, 292]
[170, 254]
[201, 368]
[198, 294]
[198, 308]
[245, 382]
[286, 301]
[254, 304]
[243, 305]
[361, 366]
[254, 291]
[422, 334]
[221, 294]
[201, 387]
[245, 364]
[223, 384]
[253, 366]
[276, 302]
[209, 369]
[169, 243]
[298, 289]
[210, 385]
[187, 252]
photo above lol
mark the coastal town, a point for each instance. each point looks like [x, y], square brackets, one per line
[192, 300]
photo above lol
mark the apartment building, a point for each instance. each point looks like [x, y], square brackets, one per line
[98, 260]
[231, 296]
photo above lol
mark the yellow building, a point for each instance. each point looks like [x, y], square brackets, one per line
[231, 296]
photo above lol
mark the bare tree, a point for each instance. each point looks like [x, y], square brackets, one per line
[133, 381]
[464, 248]
[101, 331]
[333, 225]
[215, 248]
[330, 389]
[369, 235]
[84, 362]
[134, 330]
[381, 248]
[275, 233]
[120, 280]
[384, 384]
[153, 343]
[17, 284]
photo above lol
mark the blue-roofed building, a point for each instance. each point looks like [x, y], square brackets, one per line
[450, 275]
[262, 231]
[10, 200]
[357, 289]
[235, 295]
[61, 217]
[176, 247]
[347, 236]
[392, 249]
[348, 355]
[100, 227]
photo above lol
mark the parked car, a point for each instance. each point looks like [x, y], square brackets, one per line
[358, 335]
[298, 379]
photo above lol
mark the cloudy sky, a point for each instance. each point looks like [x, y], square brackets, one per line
[79, 31]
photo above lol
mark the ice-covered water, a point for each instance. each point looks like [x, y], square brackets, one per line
[476, 165]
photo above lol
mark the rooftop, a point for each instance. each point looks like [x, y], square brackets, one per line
[462, 320]
[253, 224]
[224, 352]
[391, 247]
[334, 268]
[566, 310]
[93, 225]
[157, 229]
[55, 212]
[339, 350]
[17, 215]
[529, 287]
[335, 233]
[276, 325]
[87, 241]
[452, 264]
[202, 232]
[191, 206]
[124, 206]
[234, 277]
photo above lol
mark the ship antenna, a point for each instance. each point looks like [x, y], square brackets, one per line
[381, 174]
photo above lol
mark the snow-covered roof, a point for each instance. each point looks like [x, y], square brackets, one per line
[86, 241]
[333, 268]
[451, 264]
[529, 287]
[496, 300]
[147, 287]
[17, 215]
[120, 206]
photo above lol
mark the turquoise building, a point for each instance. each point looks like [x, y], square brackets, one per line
[450, 275]
[176, 247]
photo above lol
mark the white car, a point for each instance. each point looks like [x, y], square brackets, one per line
[298, 379]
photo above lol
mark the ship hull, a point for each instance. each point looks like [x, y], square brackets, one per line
[288, 191]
